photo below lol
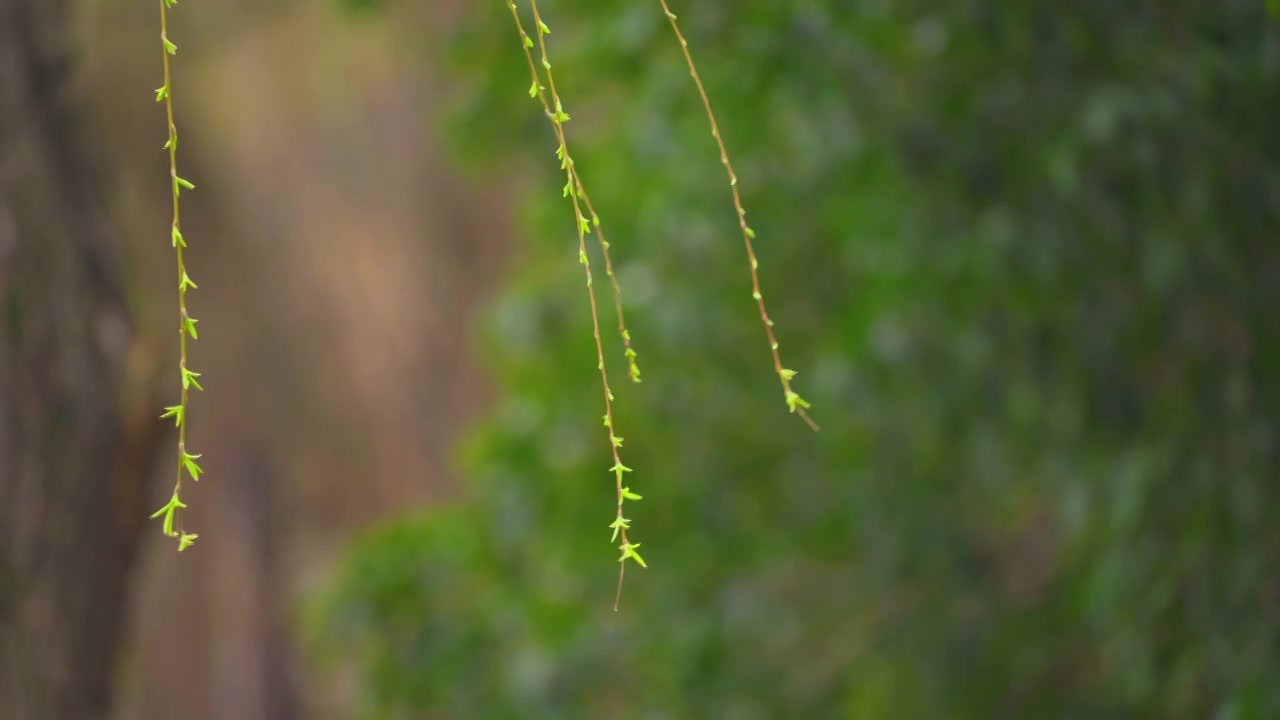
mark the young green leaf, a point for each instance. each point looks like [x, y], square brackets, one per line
[618, 525]
[629, 551]
[189, 462]
[794, 401]
[175, 412]
[168, 512]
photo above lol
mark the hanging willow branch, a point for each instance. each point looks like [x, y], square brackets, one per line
[795, 403]
[186, 464]
[575, 190]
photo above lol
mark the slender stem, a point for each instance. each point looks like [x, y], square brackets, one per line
[177, 224]
[794, 402]
[608, 268]
[186, 324]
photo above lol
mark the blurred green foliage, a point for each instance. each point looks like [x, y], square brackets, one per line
[1026, 259]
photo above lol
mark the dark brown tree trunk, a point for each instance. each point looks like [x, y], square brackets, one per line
[77, 422]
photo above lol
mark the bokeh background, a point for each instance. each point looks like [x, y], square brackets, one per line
[1024, 255]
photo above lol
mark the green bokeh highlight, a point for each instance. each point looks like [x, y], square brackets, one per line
[1025, 259]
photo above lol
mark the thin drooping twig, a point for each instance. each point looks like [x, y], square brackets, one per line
[540, 92]
[172, 511]
[574, 189]
[795, 403]
[632, 368]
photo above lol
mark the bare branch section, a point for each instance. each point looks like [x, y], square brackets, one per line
[795, 403]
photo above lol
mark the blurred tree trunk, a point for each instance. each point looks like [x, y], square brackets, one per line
[77, 424]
